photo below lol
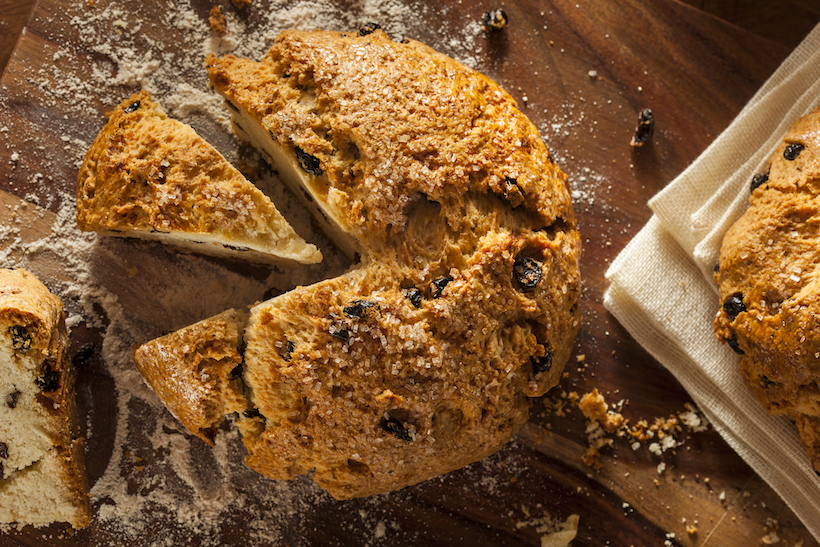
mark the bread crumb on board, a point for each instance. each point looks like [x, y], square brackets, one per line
[217, 21]
[605, 424]
[554, 532]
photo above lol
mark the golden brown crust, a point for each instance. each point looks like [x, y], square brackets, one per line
[149, 176]
[770, 261]
[389, 122]
[25, 301]
[423, 358]
[39, 380]
[194, 371]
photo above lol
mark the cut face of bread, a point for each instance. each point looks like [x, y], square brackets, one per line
[42, 469]
[424, 357]
[151, 177]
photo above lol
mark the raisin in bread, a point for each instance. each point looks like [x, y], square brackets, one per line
[42, 463]
[151, 177]
[464, 304]
[769, 284]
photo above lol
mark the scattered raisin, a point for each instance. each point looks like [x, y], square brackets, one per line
[542, 363]
[645, 129]
[733, 306]
[368, 28]
[11, 398]
[735, 346]
[236, 372]
[1, 471]
[4, 451]
[49, 381]
[792, 151]
[414, 296]
[287, 351]
[397, 428]
[527, 271]
[766, 381]
[511, 185]
[495, 19]
[307, 162]
[759, 180]
[437, 286]
[132, 107]
[20, 338]
[359, 308]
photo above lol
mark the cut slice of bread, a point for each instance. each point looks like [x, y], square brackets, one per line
[151, 177]
[464, 305]
[206, 362]
[42, 465]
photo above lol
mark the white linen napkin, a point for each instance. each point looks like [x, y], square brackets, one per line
[662, 291]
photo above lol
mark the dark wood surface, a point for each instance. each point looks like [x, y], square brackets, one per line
[13, 16]
[695, 72]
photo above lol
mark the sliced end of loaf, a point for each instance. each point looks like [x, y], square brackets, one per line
[42, 465]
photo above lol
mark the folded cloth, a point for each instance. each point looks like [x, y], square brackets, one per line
[662, 290]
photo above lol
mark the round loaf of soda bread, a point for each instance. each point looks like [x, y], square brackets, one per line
[462, 301]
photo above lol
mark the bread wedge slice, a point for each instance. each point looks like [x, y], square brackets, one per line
[151, 177]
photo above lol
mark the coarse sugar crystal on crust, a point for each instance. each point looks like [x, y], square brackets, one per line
[462, 302]
[42, 462]
[769, 284]
[151, 177]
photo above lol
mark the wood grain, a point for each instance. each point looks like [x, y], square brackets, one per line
[784, 22]
[695, 72]
[13, 16]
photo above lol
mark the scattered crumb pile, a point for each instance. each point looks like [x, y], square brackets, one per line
[604, 422]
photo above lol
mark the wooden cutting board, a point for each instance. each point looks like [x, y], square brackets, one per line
[582, 71]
